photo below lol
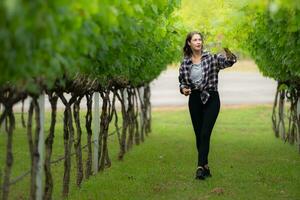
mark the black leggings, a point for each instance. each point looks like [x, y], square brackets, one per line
[203, 118]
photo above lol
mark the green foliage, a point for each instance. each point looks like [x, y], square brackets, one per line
[274, 41]
[115, 42]
[134, 42]
[33, 45]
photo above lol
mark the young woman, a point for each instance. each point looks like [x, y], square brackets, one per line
[198, 78]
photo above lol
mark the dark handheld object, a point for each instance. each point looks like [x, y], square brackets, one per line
[229, 53]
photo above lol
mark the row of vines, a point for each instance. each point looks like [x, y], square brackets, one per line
[272, 37]
[73, 50]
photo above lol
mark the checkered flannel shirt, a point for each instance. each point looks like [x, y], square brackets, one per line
[212, 64]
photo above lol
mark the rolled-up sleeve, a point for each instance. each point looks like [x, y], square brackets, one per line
[224, 62]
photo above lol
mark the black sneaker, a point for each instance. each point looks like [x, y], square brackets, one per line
[207, 172]
[200, 173]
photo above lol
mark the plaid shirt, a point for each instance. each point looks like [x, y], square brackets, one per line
[211, 64]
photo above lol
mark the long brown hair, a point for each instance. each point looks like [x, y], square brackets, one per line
[187, 51]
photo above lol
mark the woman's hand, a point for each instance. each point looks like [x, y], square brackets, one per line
[186, 91]
[229, 54]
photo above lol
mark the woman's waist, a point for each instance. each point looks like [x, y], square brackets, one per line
[198, 91]
[206, 88]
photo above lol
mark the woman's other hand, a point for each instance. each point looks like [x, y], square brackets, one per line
[186, 91]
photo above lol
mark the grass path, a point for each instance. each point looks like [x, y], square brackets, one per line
[246, 160]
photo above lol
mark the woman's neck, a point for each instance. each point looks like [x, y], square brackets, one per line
[196, 54]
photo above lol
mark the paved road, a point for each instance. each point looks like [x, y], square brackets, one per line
[234, 88]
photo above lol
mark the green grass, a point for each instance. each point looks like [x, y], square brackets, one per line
[246, 160]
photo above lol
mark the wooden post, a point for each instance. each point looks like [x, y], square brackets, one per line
[41, 146]
[126, 99]
[298, 108]
[141, 95]
[2, 126]
[96, 127]
[298, 122]
[142, 112]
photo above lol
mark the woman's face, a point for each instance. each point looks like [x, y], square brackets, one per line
[196, 42]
